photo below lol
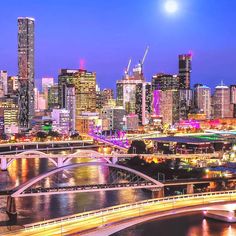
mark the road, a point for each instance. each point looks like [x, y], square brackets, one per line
[98, 218]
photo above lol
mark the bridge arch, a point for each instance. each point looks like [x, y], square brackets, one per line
[20, 189]
[40, 154]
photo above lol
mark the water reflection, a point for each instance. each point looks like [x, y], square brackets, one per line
[37, 208]
[192, 224]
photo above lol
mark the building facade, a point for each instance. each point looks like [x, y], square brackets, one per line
[202, 100]
[26, 70]
[185, 68]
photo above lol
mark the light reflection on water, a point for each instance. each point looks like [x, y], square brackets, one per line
[192, 224]
[37, 208]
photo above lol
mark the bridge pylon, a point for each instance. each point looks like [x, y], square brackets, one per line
[3, 164]
[157, 192]
[11, 209]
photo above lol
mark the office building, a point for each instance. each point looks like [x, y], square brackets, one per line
[185, 103]
[221, 102]
[169, 106]
[107, 95]
[202, 100]
[9, 111]
[70, 105]
[61, 120]
[46, 83]
[85, 90]
[115, 117]
[53, 100]
[165, 82]
[12, 85]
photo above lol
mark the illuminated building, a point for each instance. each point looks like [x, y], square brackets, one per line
[233, 98]
[85, 90]
[115, 116]
[185, 103]
[53, 101]
[26, 70]
[70, 105]
[9, 109]
[86, 121]
[61, 120]
[46, 83]
[202, 99]
[99, 98]
[221, 102]
[107, 94]
[169, 106]
[3, 83]
[12, 85]
[165, 82]
[131, 122]
[126, 93]
[185, 68]
[143, 102]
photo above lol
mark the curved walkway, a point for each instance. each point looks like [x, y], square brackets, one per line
[107, 230]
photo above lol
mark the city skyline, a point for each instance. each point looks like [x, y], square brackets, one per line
[104, 47]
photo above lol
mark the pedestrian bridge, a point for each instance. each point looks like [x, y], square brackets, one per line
[120, 177]
[112, 219]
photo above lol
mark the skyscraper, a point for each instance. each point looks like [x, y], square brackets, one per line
[221, 102]
[165, 82]
[85, 90]
[185, 68]
[202, 99]
[26, 70]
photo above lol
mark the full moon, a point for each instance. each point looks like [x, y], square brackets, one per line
[171, 6]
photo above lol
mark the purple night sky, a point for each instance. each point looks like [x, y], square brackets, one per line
[105, 34]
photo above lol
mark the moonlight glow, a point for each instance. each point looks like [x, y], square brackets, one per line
[171, 6]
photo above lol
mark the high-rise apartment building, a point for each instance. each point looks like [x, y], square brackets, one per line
[26, 70]
[202, 100]
[185, 68]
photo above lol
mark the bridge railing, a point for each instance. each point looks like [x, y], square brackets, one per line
[102, 212]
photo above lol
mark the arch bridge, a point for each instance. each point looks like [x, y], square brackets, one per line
[120, 177]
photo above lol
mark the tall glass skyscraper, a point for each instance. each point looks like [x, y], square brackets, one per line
[26, 70]
[185, 68]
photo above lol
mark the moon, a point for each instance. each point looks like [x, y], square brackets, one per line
[171, 6]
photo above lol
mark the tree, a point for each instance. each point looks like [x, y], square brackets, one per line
[3, 137]
[53, 134]
[138, 147]
[76, 136]
[41, 135]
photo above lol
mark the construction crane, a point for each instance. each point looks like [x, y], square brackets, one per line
[144, 56]
[127, 69]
